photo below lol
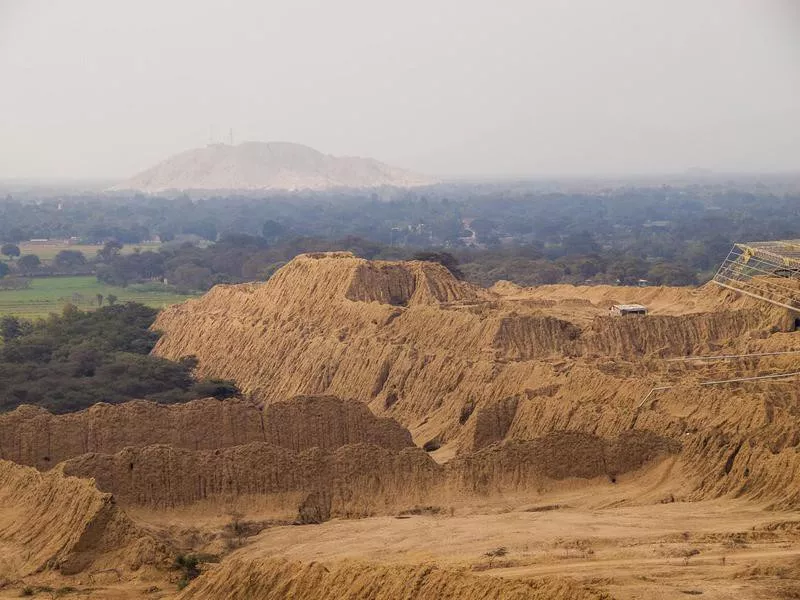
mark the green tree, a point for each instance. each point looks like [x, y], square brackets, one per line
[80, 358]
[12, 328]
[482, 228]
[110, 249]
[271, 230]
[28, 263]
[191, 277]
[666, 273]
[545, 273]
[67, 259]
[4, 269]
[628, 269]
[10, 250]
[15, 234]
[580, 243]
[111, 299]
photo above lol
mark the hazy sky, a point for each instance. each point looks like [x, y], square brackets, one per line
[106, 88]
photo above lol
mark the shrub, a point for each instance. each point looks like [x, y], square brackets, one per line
[15, 283]
[237, 530]
[432, 445]
[420, 510]
[391, 400]
[189, 564]
[466, 411]
[315, 509]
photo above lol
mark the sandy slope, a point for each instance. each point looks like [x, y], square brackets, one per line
[661, 551]
[50, 521]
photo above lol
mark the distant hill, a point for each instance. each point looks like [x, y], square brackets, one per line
[267, 166]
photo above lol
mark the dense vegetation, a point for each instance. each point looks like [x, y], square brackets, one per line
[526, 233]
[71, 361]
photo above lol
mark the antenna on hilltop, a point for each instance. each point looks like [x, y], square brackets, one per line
[231, 135]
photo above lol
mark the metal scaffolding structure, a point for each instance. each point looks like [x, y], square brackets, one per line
[769, 271]
[758, 378]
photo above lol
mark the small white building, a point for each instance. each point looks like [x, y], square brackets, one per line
[621, 310]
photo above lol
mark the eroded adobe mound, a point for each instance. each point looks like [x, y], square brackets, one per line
[361, 479]
[411, 339]
[327, 422]
[33, 436]
[51, 521]
[469, 367]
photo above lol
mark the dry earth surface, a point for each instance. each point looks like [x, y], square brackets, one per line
[551, 471]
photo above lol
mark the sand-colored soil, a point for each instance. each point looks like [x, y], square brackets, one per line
[552, 469]
[724, 549]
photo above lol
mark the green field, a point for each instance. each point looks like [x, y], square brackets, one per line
[50, 294]
[46, 251]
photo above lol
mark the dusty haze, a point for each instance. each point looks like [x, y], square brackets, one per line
[101, 89]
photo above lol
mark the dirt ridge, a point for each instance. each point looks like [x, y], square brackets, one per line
[33, 436]
[274, 578]
[362, 479]
[52, 521]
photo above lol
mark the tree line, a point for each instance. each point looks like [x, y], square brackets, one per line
[70, 361]
[672, 235]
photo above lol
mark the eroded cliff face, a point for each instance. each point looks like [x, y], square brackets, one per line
[33, 436]
[327, 422]
[50, 521]
[358, 475]
[362, 479]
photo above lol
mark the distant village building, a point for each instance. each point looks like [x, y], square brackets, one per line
[658, 224]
